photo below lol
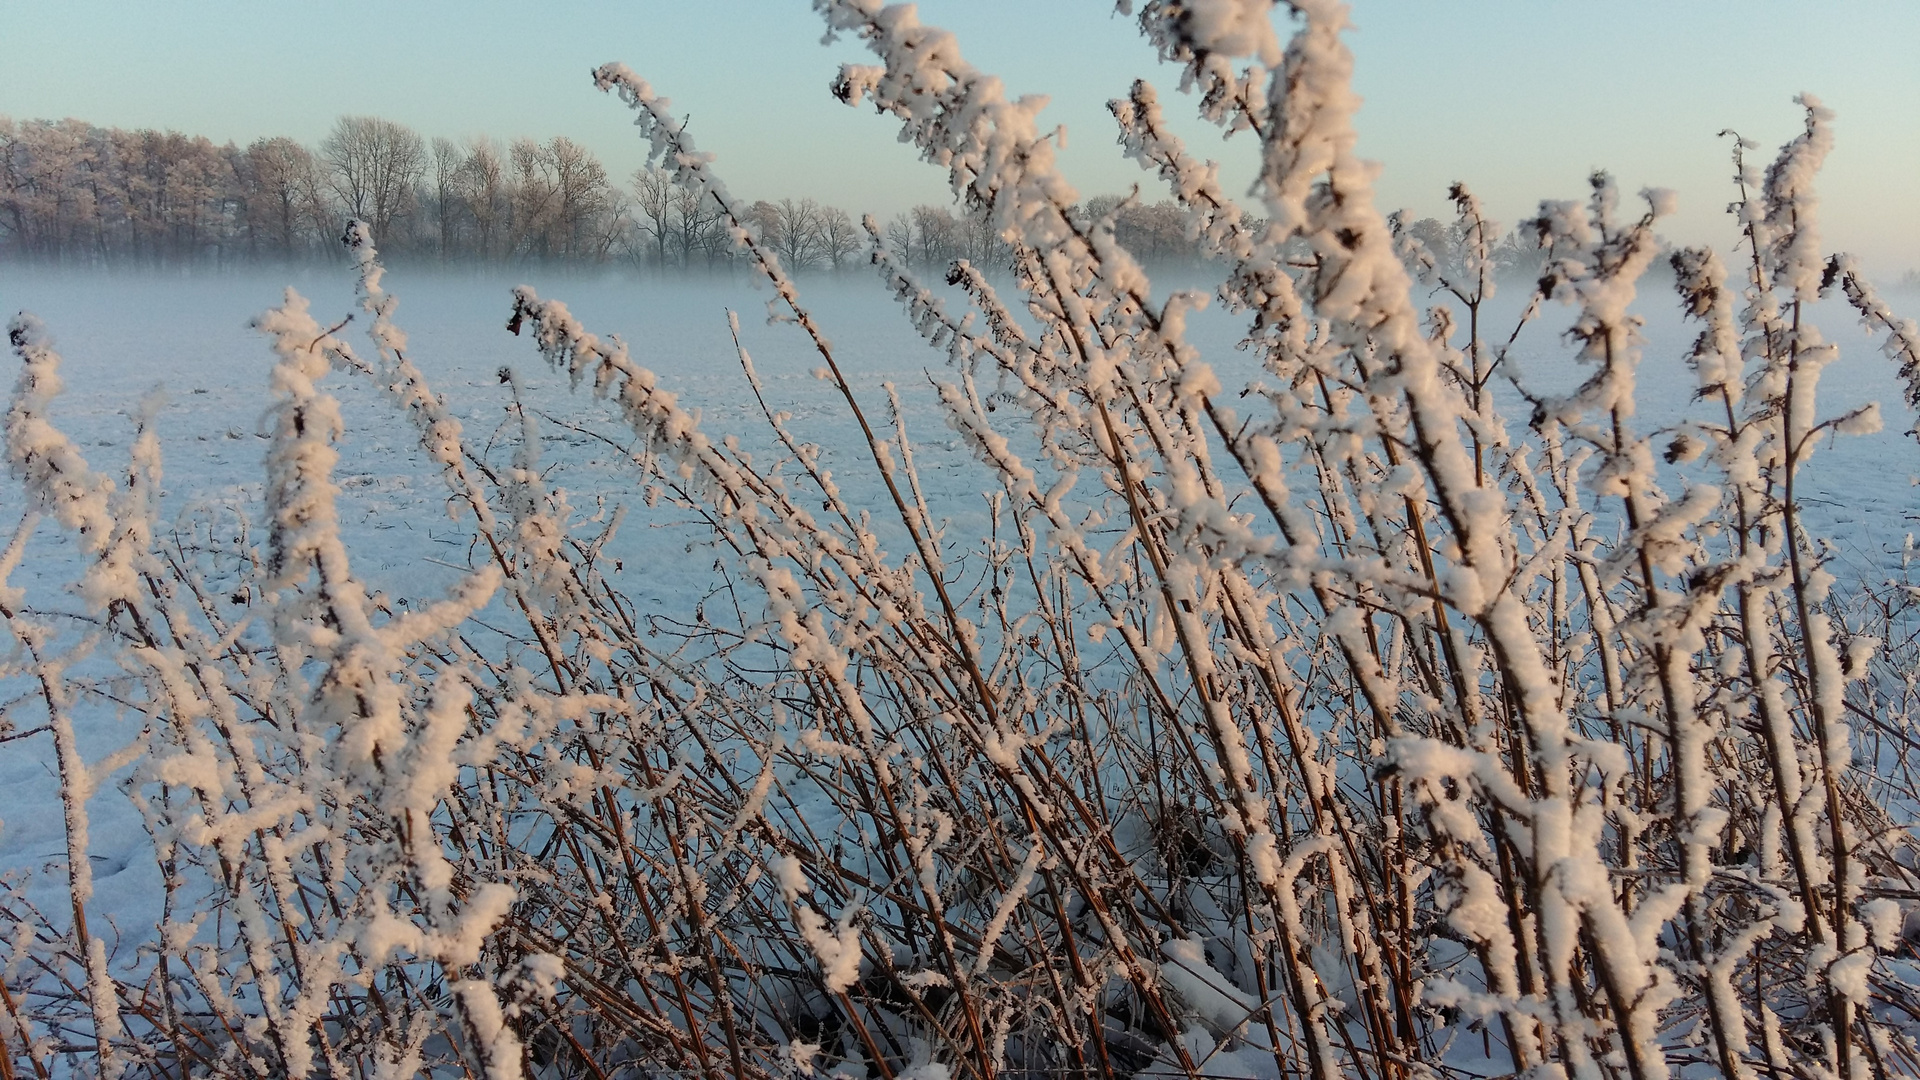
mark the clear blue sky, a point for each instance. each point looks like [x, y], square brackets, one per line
[1520, 98]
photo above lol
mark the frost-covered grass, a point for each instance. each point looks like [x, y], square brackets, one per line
[1437, 683]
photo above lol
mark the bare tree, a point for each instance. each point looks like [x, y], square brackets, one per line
[1156, 233]
[533, 197]
[899, 240]
[198, 179]
[373, 165]
[48, 204]
[12, 163]
[175, 190]
[447, 162]
[765, 219]
[797, 239]
[840, 238]
[936, 235]
[282, 182]
[586, 205]
[698, 227]
[981, 243]
[653, 192]
[483, 191]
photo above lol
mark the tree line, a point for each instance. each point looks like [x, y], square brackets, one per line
[76, 194]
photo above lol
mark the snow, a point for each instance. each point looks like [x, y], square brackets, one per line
[682, 445]
[393, 501]
[1205, 989]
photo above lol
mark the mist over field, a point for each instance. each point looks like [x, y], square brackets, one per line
[471, 613]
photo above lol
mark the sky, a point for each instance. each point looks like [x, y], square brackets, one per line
[1521, 99]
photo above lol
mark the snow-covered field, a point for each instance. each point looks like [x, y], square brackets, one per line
[123, 336]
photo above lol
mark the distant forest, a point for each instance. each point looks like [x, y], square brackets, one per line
[75, 194]
[78, 195]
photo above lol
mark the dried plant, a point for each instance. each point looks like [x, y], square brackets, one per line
[1368, 733]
